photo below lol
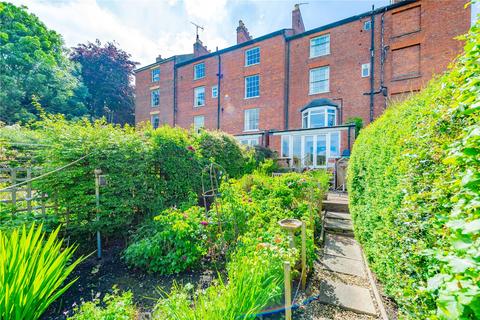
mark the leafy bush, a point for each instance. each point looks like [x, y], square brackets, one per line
[248, 213]
[147, 170]
[111, 307]
[224, 150]
[176, 241]
[414, 192]
[32, 272]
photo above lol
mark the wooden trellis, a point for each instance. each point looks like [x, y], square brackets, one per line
[22, 198]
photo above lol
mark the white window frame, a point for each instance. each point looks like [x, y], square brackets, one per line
[195, 125]
[327, 79]
[245, 84]
[246, 119]
[367, 25]
[365, 66]
[151, 98]
[249, 141]
[196, 91]
[195, 67]
[315, 134]
[320, 109]
[246, 56]
[153, 76]
[312, 47]
[215, 89]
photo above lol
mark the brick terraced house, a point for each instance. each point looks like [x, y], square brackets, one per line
[293, 90]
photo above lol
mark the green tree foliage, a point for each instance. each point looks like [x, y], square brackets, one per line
[414, 186]
[33, 65]
[33, 268]
[107, 72]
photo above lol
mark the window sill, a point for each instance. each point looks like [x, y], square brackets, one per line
[247, 98]
[322, 55]
[194, 79]
[313, 94]
[155, 106]
[253, 64]
[196, 107]
[252, 130]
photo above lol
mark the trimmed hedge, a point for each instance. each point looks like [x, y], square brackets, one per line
[414, 188]
[147, 170]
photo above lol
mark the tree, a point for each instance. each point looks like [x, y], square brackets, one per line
[34, 66]
[107, 71]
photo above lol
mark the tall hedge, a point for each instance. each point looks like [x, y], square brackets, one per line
[146, 170]
[414, 188]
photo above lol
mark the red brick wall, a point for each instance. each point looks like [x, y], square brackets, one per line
[420, 42]
[143, 88]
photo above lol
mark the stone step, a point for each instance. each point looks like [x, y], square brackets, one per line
[343, 265]
[342, 246]
[339, 225]
[335, 205]
[339, 215]
[349, 297]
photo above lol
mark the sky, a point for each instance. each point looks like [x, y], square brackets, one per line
[148, 28]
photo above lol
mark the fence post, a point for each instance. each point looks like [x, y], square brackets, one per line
[13, 179]
[304, 256]
[288, 291]
[29, 190]
[98, 172]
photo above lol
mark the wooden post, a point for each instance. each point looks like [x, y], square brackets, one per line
[288, 291]
[304, 256]
[29, 190]
[13, 179]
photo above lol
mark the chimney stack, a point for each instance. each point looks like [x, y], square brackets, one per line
[297, 21]
[199, 49]
[242, 33]
[159, 58]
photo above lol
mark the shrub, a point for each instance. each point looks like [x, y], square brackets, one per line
[224, 150]
[176, 241]
[414, 191]
[32, 271]
[248, 211]
[111, 307]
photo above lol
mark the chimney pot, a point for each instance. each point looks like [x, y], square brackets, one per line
[297, 21]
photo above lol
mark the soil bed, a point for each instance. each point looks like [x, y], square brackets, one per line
[97, 277]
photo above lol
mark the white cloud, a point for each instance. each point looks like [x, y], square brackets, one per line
[147, 28]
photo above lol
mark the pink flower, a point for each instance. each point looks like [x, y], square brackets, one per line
[205, 223]
[191, 148]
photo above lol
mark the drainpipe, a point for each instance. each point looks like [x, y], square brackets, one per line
[219, 78]
[287, 82]
[174, 90]
[372, 63]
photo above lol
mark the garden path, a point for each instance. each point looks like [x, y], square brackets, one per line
[341, 280]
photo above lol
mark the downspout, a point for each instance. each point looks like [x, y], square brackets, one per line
[287, 82]
[372, 63]
[219, 78]
[174, 90]
[383, 54]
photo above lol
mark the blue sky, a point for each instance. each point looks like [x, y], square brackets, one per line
[147, 28]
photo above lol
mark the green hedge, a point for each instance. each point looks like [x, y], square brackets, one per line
[147, 170]
[414, 186]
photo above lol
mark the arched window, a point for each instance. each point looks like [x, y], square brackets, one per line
[318, 117]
